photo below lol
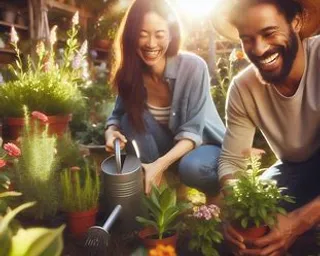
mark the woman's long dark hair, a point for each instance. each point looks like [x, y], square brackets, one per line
[128, 67]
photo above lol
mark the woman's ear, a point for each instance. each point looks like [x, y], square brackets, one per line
[297, 23]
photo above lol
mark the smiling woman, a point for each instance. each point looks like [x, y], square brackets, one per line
[194, 8]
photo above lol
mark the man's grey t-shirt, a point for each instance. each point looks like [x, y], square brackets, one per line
[291, 125]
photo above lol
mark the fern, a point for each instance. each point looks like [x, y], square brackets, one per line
[36, 176]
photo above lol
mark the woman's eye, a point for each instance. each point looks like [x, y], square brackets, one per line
[143, 35]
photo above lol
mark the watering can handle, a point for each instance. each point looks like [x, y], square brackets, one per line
[111, 219]
[117, 152]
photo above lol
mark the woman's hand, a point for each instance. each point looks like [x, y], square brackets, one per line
[153, 174]
[111, 134]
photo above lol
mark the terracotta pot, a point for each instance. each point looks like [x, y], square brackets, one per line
[102, 43]
[80, 222]
[56, 125]
[253, 232]
[146, 236]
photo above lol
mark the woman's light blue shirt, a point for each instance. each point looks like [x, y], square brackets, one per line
[193, 114]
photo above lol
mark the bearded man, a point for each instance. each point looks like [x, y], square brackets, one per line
[279, 93]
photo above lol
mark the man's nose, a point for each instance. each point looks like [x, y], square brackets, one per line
[260, 47]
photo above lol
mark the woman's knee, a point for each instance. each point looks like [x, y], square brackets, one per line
[199, 169]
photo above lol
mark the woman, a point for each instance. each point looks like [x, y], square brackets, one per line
[164, 102]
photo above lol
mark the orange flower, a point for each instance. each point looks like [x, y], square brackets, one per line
[239, 55]
[162, 250]
[12, 149]
[40, 116]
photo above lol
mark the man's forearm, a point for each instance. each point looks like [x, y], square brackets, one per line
[307, 216]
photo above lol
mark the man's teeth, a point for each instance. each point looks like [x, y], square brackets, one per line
[269, 59]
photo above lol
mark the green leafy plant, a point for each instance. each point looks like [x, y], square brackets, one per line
[251, 200]
[36, 169]
[107, 25]
[163, 210]
[15, 240]
[80, 188]
[203, 224]
[46, 84]
[32, 241]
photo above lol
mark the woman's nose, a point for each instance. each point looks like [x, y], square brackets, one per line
[152, 41]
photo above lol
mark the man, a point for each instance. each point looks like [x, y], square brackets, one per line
[280, 95]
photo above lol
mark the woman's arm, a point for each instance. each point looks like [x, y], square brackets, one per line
[155, 170]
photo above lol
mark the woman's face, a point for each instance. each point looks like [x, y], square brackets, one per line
[154, 39]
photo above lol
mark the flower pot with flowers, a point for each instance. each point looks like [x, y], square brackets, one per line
[204, 227]
[162, 225]
[251, 203]
[80, 194]
[45, 84]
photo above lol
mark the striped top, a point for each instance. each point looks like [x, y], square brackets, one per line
[161, 114]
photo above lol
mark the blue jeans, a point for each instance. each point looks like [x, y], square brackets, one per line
[301, 180]
[197, 169]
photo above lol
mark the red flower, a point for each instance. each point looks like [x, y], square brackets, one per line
[12, 149]
[40, 116]
[2, 163]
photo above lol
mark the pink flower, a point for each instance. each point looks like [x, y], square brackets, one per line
[12, 149]
[40, 116]
[2, 163]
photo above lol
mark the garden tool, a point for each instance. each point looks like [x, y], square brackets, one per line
[98, 237]
[123, 185]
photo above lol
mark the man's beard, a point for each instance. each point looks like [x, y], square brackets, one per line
[288, 55]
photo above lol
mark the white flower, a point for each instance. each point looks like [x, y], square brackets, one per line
[53, 35]
[1, 79]
[84, 48]
[75, 18]
[14, 36]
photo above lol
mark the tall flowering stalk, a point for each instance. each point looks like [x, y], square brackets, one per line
[36, 175]
[204, 226]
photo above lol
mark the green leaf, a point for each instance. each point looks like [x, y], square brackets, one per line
[167, 199]
[244, 222]
[38, 242]
[10, 193]
[281, 210]
[146, 222]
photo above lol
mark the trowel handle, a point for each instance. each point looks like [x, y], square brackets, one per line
[112, 217]
[117, 152]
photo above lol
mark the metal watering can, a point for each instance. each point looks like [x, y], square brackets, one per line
[123, 185]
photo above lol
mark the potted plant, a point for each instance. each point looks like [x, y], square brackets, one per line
[48, 85]
[106, 28]
[251, 203]
[80, 194]
[162, 224]
[35, 172]
[203, 225]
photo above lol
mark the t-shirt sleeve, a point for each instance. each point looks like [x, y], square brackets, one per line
[239, 134]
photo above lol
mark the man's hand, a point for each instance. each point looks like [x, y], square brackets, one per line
[235, 240]
[278, 240]
[153, 174]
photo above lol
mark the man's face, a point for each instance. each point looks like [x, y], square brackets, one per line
[269, 41]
